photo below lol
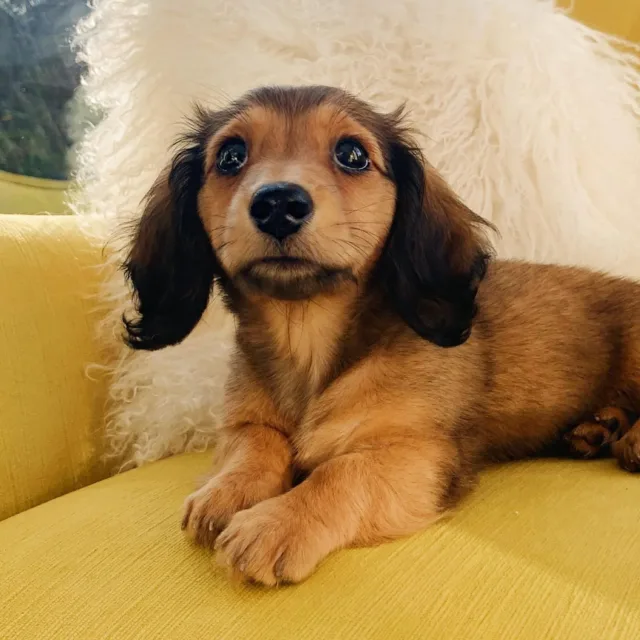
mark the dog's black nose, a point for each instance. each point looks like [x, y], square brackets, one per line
[281, 208]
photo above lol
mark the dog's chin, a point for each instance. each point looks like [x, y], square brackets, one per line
[293, 278]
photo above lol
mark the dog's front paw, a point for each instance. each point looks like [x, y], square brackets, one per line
[208, 510]
[268, 544]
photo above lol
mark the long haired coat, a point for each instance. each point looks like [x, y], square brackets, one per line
[381, 357]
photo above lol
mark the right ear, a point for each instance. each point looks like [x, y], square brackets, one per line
[171, 264]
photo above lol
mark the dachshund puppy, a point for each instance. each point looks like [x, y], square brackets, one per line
[381, 357]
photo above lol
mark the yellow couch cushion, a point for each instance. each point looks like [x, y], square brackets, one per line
[618, 17]
[24, 194]
[544, 549]
[51, 414]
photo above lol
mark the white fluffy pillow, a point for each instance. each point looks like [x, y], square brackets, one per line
[532, 118]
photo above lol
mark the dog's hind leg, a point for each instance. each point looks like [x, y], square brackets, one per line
[595, 437]
[626, 449]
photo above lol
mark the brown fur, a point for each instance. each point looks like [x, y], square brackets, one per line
[594, 436]
[341, 372]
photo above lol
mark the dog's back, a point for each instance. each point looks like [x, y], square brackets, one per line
[559, 343]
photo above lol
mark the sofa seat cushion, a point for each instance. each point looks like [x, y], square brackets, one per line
[543, 549]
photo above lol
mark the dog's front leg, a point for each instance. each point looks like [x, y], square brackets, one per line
[254, 465]
[379, 490]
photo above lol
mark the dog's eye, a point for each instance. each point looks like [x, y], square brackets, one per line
[232, 156]
[350, 155]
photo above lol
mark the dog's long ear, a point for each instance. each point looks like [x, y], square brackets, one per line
[171, 264]
[436, 253]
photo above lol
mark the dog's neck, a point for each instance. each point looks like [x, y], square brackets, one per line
[298, 348]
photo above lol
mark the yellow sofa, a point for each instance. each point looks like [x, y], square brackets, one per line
[543, 549]
[24, 194]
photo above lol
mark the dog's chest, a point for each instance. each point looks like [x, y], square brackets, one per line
[300, 347]
[300, 370]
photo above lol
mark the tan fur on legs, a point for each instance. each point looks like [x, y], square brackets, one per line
[370, 481]
[380, 492]
[255, 466]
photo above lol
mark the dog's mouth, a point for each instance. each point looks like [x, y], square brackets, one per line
[291, 278]
[286, 262]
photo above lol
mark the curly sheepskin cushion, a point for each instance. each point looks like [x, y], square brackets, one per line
[531, 116]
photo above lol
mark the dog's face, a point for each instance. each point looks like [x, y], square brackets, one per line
[292, 193]
[297, 196]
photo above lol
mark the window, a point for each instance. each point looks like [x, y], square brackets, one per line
[41, 109]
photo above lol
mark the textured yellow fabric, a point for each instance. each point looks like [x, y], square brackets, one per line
[50, 412]
[619, 17]
[23, 194]
[544, 549]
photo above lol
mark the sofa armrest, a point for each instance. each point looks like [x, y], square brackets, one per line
[51, 413]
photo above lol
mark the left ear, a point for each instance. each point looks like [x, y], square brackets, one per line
[436, 253]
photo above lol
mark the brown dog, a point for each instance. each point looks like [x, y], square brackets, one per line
[355, 275]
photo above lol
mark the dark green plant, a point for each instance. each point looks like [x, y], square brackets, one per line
[38, 77]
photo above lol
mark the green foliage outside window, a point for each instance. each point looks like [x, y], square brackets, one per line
[39, 78]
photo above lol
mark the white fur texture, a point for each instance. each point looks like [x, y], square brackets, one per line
[531, 117]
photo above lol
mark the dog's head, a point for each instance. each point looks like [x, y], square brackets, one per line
[292, 193]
